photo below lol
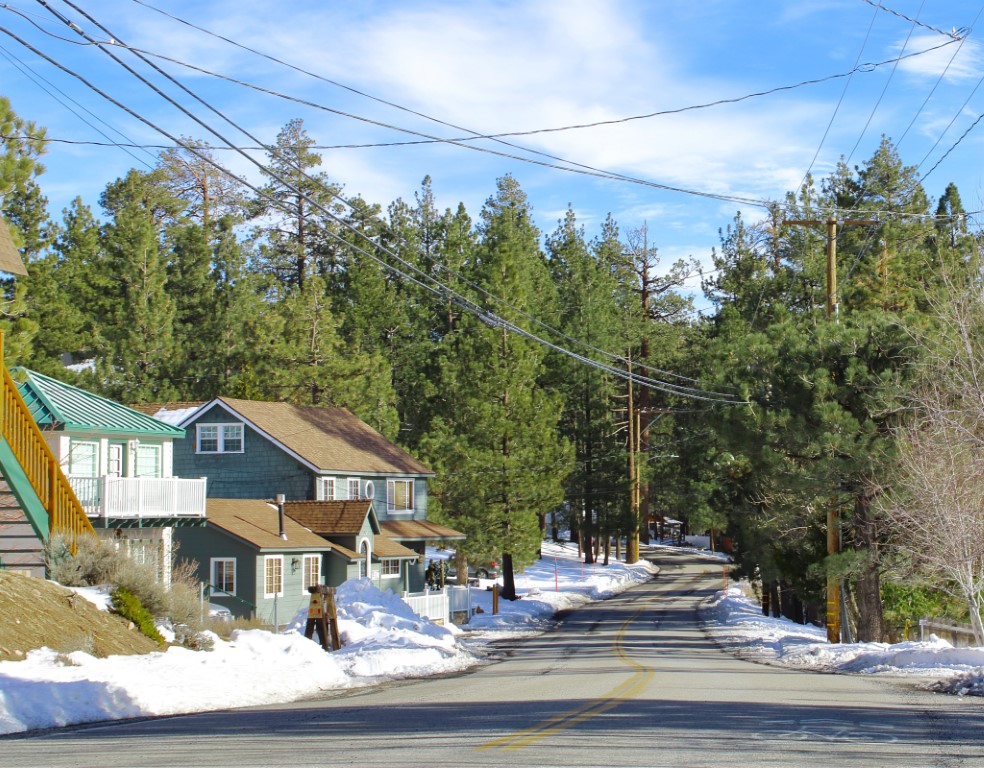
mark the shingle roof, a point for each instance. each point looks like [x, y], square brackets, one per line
[383, 546]
[332, 518]
[418, 530]
[330, 439]
[60, 406]
[257, 522]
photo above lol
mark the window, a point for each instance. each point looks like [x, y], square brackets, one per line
[83, 460]
[312, 572]
[148, 461]
[273, 576]
[224, 574]
[326, 489]
[399, 495]
[353, 488]
[391, 567]
[220, 438]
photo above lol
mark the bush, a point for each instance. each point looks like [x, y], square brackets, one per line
[128, 606]
[96, 561]
[100, 561]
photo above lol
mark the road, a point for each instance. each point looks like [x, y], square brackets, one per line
[632, 681]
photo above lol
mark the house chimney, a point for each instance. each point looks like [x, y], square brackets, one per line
[280, 514]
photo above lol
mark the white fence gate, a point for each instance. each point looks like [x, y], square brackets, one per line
[439, 605]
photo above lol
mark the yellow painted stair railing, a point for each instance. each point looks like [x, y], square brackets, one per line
[32, 471]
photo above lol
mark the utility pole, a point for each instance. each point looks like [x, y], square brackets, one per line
[834, 595]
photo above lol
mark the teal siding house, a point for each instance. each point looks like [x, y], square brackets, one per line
[373, 493]
[255, 561]
[119, 463]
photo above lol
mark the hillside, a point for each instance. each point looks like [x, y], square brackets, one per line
[37, 613]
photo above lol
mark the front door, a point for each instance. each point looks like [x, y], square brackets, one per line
[115, 466]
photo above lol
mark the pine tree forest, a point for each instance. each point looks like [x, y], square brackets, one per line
[560, 381]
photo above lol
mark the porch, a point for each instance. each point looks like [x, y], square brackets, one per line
[137, 498]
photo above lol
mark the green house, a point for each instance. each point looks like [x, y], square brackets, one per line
[119, 463]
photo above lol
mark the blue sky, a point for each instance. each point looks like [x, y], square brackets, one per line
[504, 66]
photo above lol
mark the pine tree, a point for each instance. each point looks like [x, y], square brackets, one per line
[497, 446]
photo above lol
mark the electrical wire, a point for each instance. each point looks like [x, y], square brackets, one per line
[38, 79]
[438, 289]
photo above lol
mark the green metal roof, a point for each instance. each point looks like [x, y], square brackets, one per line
[60, 406]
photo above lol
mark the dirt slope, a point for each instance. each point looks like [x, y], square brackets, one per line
[35, 613]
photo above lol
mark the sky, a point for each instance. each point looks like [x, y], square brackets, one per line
[383, 640]
[375, 75]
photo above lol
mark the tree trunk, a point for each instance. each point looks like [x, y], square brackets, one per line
[508, 578]
[871, 620]
[461, 567]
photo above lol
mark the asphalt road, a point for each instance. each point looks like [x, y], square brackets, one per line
[632, 681]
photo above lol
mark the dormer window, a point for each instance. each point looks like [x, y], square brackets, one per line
[220, 438]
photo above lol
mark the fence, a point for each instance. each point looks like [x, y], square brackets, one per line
[960, 636]
[440, 605]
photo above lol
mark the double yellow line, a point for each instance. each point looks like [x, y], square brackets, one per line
[627, 690]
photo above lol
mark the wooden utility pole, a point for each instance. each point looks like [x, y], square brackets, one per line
[632, 535]
[834, 597]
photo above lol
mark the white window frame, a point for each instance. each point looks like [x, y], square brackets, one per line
[277, 561]
[144, 448]
[387, 564]
[391, 494]
[92, 466]
[370, 489]
[327, 489]
[213, 562]
[315, 561]
[353, 483]
[221, 437]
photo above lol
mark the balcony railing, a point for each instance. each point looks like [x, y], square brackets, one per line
[140, 497]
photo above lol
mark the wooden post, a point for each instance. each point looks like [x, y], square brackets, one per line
[323, 617]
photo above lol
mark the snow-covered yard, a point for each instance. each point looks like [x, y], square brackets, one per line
[382, 640]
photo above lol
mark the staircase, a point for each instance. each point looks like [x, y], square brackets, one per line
[35, 484]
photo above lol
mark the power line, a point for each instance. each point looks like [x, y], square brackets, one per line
[36, 79]
[437, 288]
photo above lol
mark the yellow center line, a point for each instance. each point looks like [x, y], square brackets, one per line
[626, 690]
[620, 693]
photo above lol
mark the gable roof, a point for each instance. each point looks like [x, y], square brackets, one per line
[60, 406]
[418, 530]
[257, 522]
[326, 439]
[332, 518]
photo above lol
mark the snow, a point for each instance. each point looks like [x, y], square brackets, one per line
[383, 640]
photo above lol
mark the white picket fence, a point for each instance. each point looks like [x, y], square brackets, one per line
[439, 605]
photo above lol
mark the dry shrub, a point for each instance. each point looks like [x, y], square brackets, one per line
[99, 561]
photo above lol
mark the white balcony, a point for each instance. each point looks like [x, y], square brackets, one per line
[140, 497]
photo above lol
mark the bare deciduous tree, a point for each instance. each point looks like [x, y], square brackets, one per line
[936, 509]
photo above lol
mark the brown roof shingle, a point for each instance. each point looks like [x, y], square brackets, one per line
[331, 439]
[256, 522]
[330, 518]
[418, 530]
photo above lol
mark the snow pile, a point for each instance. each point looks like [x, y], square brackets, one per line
[383, 639]
[737, 623]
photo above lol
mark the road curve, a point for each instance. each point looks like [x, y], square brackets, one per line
[631, 681]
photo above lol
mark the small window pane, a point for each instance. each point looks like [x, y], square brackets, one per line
[353, 488]
[148, 461]
[274, 576]
[224, 575]
[208, 439]
[232, 438]
[312, 571]
[83, 459]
